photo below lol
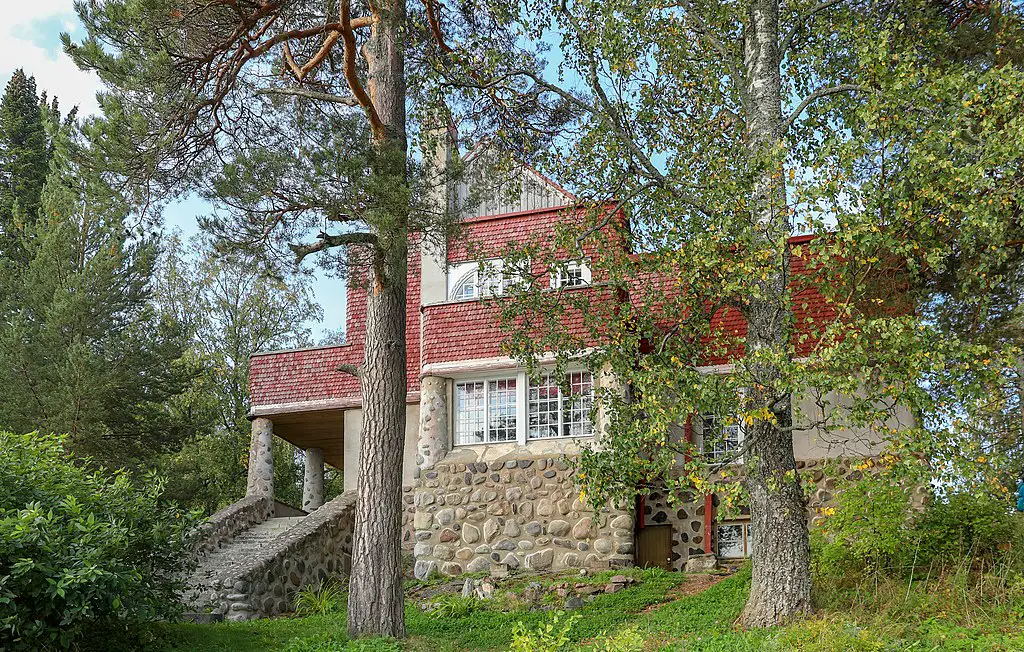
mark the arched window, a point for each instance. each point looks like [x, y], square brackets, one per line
[465, 287]
[476, 279]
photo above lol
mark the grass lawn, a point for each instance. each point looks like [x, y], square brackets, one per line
[665, 613]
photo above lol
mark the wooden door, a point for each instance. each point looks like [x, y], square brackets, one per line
[654, 547]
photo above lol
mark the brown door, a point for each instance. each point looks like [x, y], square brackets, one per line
[654, 547]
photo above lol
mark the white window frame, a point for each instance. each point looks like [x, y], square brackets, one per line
[488, 438]
[522, 408]
[560, 277]
[719, 449]
[562, 409]
[746, 537]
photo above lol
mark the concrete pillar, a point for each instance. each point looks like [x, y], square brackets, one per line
[313, 482]
[434, 440]
[261, 459]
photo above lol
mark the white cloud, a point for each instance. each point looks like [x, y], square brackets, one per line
[29, 39]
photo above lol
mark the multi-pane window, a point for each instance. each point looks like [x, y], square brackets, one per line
[501, 410]
[485, 411]
[735, 540]
[552, 413]
[721, 437]
[573, 274]
[470, 416]
[491, 410]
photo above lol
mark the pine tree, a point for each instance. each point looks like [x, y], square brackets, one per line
[82, 349]
[24, 160]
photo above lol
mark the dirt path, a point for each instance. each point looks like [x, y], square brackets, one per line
[693, 585]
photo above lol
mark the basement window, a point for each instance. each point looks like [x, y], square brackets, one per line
[735, 539]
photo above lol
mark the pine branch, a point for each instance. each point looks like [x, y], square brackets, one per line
[310, 94]
[327, 241]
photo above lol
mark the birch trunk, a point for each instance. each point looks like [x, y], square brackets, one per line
[375, 604]
[781, 585]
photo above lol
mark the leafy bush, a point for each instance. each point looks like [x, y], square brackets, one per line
[872, 529]
[628, 640]
[865, 529]
[327, 598]
[84, 555]
[548, 637]
[965, 524]
[454, 606]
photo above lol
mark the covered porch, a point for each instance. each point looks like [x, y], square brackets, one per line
[319, 433]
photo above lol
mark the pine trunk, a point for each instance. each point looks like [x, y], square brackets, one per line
[375, 604]
[781, 585]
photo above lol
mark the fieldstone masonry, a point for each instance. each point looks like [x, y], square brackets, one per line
[238, 517]
[523, 513]
[313, 482]
[261, 459]
[433, 442]
[687, 521]
[318, 548]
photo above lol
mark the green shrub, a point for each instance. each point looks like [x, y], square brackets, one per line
[866, 528]
[627, 640]
[972, 542]
[965, 524]
[84, 555]
[454, 606]
[550, 636]
[327, 598]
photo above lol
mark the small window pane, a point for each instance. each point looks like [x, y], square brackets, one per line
[552, 414]
[501, 409]
[469, 413]
[719, 438]
[574, 274]
[465, 288]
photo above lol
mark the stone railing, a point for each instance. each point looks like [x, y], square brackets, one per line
[316, 549]
[232, 520]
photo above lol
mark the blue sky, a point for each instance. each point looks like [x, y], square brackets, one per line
[29, 39]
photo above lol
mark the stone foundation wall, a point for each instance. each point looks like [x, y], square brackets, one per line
[318, 548]
[408, 516]
[523, 513]
[228, 522]
[687, 521]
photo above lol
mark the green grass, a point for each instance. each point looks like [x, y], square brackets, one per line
[934, 617]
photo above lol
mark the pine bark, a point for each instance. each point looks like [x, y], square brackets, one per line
[781, 584]
[375, 605]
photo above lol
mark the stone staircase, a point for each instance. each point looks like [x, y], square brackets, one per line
[252, 564]
[242, 548]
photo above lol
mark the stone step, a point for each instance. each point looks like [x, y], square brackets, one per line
[243, 546]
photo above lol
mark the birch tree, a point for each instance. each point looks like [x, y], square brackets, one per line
[705, 136]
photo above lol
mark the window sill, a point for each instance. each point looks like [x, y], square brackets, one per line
[528, 441]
